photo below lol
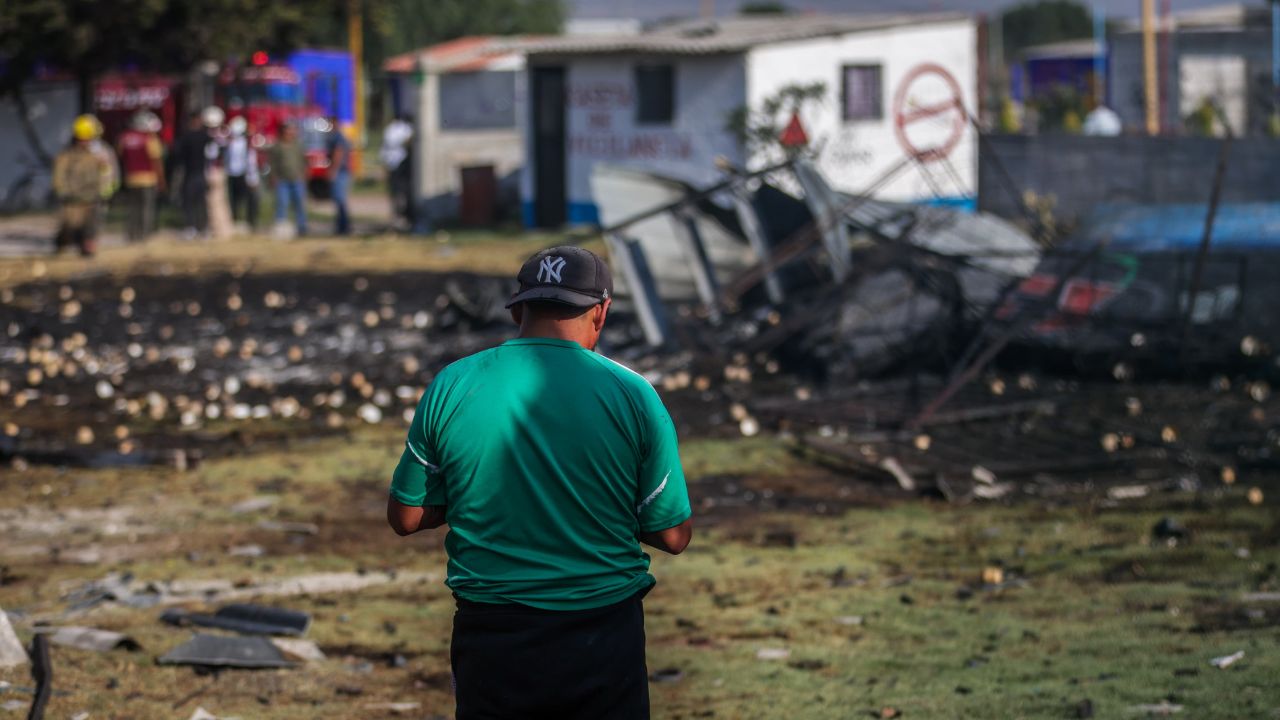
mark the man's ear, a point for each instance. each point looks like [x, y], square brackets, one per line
[599, 314]
[517, 313]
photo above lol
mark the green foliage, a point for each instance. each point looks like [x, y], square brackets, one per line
[764, 7]
[1009, 122]
[1201, 121]
[88, 36]
[1045, 21]
[392, 27]
[760, 129]
[1061, 109]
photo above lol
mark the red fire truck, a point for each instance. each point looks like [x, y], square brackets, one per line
[270, 95]
[267, 94]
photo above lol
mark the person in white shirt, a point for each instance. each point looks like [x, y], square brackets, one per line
[240, 159]
[397, 141]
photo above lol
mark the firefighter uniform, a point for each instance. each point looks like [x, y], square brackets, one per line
[82, 181]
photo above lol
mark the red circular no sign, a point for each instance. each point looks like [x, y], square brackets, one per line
[943, 106]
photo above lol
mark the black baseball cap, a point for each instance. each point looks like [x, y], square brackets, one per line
[564, 274]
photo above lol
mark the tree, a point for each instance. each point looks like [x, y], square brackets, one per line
[1045, 21]
[764, 7]
[760, 130]
[85, 37]
[392, 27]
[396, 26]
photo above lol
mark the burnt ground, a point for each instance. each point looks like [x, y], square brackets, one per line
[808, 543]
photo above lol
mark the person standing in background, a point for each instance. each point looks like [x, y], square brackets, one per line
[288, 173]
[241, 163]
[216, 196]
[82, 181]
[339, 151]
[189, 158]
[396, 142]
[141, 156]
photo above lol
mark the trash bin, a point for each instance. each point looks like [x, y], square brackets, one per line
[479, 195]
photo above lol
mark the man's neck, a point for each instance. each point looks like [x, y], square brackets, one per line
[556, 330]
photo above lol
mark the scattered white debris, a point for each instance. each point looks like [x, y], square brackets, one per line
[1226, 661]
[1164, 707]
[993, 492]
[299, 649]
[254, 504]
[1128, 492]
[249, 551]
[11, 651]
[395, 708]
[983, 475]
[370, 413]
[773, 654]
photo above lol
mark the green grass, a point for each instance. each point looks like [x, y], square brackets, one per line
[1105, 614]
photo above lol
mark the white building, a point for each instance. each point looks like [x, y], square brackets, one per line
[464, 99]
[898, 93]
[1221, 54]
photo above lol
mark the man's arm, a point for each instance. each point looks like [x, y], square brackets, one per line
[339, 154]
[672, 540]
[409, 519]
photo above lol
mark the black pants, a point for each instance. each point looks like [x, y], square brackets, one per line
[244, 200]
[140, 212]
[400, 184]
[195, 210]
[513, 661]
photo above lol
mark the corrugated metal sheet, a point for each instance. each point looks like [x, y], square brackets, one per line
[465, 54]
[697, 37]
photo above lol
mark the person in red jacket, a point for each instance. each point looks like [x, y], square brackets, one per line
[141, 157]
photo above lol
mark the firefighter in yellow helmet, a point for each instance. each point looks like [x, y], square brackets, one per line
[83, 180]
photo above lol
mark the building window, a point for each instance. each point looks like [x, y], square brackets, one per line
[656, 94]
[478, 100]
[861, 93]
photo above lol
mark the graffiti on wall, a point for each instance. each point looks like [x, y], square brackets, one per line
[602, 127]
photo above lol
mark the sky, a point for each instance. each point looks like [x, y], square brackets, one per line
[655, 9]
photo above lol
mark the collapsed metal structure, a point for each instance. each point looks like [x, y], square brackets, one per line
[867, 332]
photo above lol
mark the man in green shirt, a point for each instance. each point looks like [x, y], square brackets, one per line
[550, 464]
[288, 162]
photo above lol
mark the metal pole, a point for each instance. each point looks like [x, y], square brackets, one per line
[1166, 76]
[42, 673]
[750, 222]
[1197, 272]
[644, 293]
[355, 41]
[1099, 55]
[1150, 87]
[685, 228]
[1275, 45]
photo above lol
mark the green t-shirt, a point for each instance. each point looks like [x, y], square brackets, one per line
[550, 459]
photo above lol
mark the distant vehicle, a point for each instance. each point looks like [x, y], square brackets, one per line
[118, 95]
[269, 95]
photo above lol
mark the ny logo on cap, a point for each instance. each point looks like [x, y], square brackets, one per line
[550, 268]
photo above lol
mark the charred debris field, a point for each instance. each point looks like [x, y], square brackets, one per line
[186, 430]
[166, 364]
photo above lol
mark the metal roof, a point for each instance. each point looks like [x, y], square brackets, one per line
[1227, 17]
[465, 54]
[725, 35]
[1067, 49]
